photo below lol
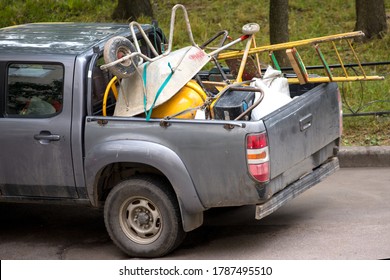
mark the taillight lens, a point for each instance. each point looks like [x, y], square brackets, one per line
[257, 154]
[260, 171]
[256, 141]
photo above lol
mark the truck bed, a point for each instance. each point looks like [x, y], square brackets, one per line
[302, 135]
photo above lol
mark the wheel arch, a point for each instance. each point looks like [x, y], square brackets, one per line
[124, 158]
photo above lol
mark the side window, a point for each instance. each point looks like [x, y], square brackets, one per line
[34, 90]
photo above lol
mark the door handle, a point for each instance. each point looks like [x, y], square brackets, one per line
[305, 122]
[45, 137]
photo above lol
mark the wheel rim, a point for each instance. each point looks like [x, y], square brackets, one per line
[121, 52]
[140, 220]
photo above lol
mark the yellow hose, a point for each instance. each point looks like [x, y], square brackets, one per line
[111, 86]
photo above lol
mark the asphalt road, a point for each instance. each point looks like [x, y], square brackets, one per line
[345, 217]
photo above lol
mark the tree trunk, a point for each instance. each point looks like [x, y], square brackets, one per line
[371, 18]
[132, 9]
[278, 26]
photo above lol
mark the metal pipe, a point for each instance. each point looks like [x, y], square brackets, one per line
[135, 40]
[242, 38]
[223, 32]
[381, 113]
[129, 56]
[157, 56]
[172, 27]
[254, 105]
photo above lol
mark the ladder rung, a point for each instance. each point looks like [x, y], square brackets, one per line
[274, 60]
[323, 61]
[356, 57]
[339, 58]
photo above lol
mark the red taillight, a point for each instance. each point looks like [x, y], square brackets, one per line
[258, 156]
[260, 171]
[256, 141]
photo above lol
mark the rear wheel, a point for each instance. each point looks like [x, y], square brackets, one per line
[142, 217]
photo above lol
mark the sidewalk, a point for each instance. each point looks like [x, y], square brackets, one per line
[361, 156]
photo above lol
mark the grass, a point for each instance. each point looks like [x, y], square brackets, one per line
[307, 19]
[14, 12]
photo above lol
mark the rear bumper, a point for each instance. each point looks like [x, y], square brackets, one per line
[296, 188]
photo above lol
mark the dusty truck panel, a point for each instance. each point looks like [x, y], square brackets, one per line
[46, 136]
[107, 151]
[205, 159]
[154, 178]
[296, 131]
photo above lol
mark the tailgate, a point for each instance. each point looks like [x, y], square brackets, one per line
[303, 127]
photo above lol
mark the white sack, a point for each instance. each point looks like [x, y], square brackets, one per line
[276, 93]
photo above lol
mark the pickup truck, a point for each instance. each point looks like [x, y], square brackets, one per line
[156, 178]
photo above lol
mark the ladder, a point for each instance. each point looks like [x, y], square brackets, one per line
[302, 75]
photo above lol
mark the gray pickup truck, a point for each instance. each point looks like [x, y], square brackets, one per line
[155, 179]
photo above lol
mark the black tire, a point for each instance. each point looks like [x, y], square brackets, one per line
[116, 48]
[142, 217]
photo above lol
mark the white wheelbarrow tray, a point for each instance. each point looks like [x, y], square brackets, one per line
[167, 74]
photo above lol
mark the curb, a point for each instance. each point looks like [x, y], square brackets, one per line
[360, 156]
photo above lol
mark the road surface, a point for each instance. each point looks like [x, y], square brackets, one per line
[345, 217]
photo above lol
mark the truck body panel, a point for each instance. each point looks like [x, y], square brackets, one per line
[296, 131]
[22, 144]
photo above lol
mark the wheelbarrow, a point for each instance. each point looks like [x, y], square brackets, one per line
[148, 82]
